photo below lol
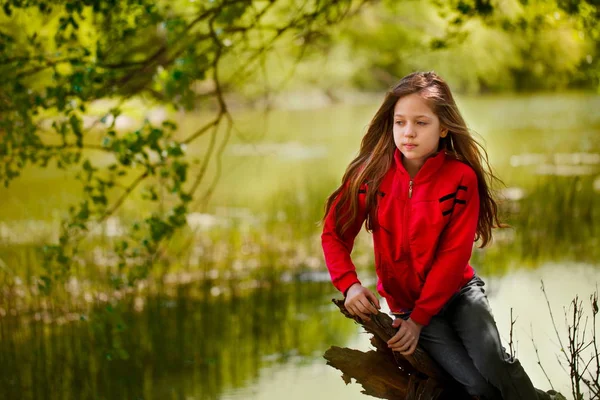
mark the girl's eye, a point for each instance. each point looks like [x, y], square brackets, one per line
[422, 123]
[399, 122]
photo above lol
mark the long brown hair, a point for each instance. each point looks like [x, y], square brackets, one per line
[377, 151]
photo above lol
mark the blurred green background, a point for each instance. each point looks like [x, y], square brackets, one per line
[221, 291]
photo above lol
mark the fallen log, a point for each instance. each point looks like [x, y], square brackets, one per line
[387, 374]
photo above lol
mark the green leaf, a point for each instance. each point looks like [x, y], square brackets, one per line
[87, 166]
[177, 74]
[76, 128]
[232, 12]
[7, 10]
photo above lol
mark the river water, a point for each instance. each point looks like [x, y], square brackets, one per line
[194, 342]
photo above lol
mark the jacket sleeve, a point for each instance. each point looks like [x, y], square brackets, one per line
[453, 252]
[337, 248]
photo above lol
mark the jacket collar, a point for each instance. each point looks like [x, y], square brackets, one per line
[431, 166]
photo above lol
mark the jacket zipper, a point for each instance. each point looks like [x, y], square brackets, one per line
[406, 249]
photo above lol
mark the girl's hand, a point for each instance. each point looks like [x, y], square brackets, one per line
[406, 339]
[361, 301]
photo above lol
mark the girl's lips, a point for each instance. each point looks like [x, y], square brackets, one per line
[410, 146]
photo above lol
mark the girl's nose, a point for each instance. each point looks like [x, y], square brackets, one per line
[409, 130]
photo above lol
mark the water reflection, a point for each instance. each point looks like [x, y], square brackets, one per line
[189, 344]
[208, 340]
[555, 219]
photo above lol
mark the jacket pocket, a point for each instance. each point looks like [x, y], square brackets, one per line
[402, 283]
[390, 220]
[426, 227]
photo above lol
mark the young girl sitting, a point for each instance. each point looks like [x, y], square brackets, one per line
[420, 184]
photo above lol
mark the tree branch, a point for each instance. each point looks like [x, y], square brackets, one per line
[123, 197]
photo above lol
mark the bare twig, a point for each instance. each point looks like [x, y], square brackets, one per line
[207, 157]
[537, 355]
[596, 377]
[223, 111]
[572, 355]
[562, 347]
[576, 346]
[203, 129]
[510, 342]
[124, 196]
[208, 193]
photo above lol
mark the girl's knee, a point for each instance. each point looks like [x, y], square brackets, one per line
[482, 389]
[491, 364]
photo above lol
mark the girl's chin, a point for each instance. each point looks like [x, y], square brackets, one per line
[415, 154]
[411, 155]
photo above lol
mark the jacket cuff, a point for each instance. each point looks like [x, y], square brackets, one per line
[348, 280]
[420, 317]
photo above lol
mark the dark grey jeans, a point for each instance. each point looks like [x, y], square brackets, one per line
[464, 340]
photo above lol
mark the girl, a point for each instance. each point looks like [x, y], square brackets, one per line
[420, 185]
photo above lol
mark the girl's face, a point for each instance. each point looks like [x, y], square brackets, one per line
[417, 130]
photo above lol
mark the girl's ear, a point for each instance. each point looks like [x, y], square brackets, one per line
[443, 132]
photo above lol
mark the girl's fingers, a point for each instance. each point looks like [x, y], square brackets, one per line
[359, 309]
[401, 348]
[367, 307]
[357, 312]
[399, 338]
[413, 347]
[364, 316]
[406, 341]
[404, 346]
[372, 308]
[394, 340]
[361, 305]
[373, 299]
[410, 350]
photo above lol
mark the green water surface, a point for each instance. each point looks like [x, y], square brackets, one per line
[208, 339]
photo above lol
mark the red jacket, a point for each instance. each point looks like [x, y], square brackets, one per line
[424, 239]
